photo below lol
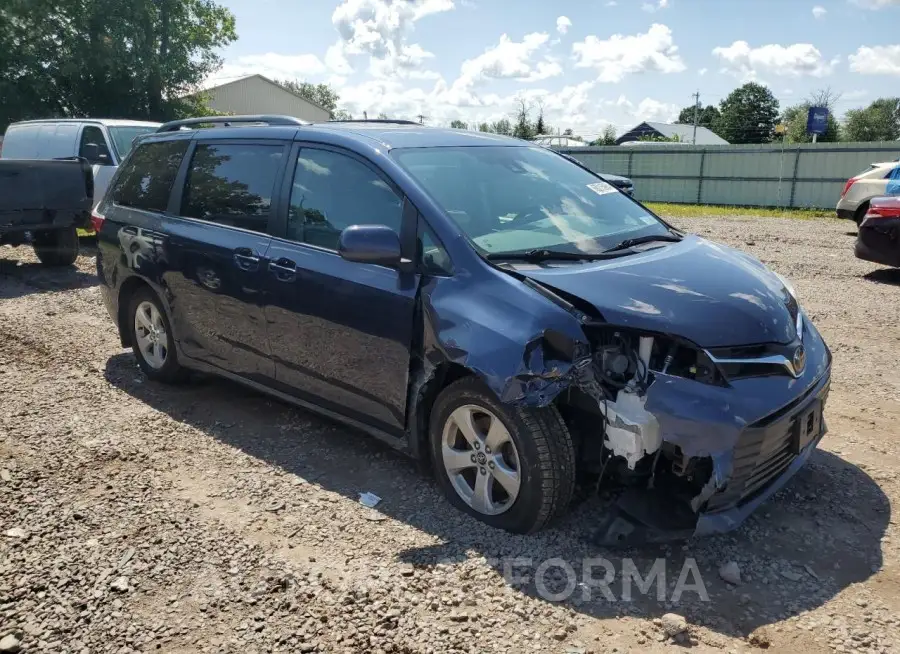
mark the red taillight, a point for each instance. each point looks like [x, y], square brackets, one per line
[97, 221]
[850, 182]
[883, 212]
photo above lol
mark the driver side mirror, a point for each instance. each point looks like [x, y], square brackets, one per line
[376, 244]
[94, 154]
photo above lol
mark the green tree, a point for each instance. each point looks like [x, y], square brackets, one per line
[795, 119]
[320, 94]
[748, 115]
[707, 117]
[880, 121]
[539, 126]
[458, 124]
[484, 127]
[654, 138]
[523, 128]
[142, 59]
[502, 126]
[608, 137]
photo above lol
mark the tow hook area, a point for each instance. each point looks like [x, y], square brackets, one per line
[643, 516]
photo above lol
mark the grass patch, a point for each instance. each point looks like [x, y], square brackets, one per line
[706, 210]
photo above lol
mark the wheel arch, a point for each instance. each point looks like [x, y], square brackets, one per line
[425, 389]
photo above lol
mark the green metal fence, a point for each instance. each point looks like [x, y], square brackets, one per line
[808, 175]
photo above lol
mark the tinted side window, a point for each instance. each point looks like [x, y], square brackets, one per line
[332, 191]
[93, 134]
[232, 184]
[146, 179]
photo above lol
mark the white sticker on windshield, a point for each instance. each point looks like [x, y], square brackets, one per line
[602, 188]
[647, 219]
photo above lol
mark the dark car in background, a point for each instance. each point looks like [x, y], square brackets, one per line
[624, 184]
[43, 204]
[878, 239]
[478, 302]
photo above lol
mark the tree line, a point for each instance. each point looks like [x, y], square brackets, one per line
[751, 114]
[141, 59]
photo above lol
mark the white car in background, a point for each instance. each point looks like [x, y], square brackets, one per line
[559, 142]
[103, 142]
[859, 190]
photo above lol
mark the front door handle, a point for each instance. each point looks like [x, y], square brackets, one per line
[246, 259]
[284, 270]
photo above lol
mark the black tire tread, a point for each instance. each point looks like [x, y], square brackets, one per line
[557, 461]
[58, 247]
[861, 212]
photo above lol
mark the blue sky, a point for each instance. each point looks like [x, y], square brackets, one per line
[590, 63]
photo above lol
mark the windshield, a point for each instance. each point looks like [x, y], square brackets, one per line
[513, 199]
[123, 137]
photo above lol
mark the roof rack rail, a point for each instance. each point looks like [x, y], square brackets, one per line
[387, 121]
[227, 121]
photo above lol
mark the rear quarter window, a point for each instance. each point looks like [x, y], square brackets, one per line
[21, 142]
[145, 180]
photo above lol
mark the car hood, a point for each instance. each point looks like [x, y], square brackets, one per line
[708, 293]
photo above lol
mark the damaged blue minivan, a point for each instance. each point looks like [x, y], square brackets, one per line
[490, 307]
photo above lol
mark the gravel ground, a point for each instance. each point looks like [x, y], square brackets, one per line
[138, 517]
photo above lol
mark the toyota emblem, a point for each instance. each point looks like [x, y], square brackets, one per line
[799, 360]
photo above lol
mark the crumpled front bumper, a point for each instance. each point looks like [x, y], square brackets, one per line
[737, 503]
[752, 459]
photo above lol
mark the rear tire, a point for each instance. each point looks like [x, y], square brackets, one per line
[533, 456]
[58, 247]
[152, 339]
[861, 212]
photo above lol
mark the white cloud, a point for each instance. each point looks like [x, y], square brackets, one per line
[876, 60]
[654, 110]
[702, 71]
[509, 60]
[380, 28]
[271, 65]
[876, 4]
[336, 60]
[647, 109]
[797, 60]
[854, 95]
[819, 12]
[563, 24]
[619, 56]
[650, 7]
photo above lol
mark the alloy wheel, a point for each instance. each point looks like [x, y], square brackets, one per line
[150, 335]
[481, 459]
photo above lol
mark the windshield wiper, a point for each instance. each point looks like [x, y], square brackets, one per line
[631, 242]
[537, 255]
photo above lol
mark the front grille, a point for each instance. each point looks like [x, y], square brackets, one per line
[763, 453]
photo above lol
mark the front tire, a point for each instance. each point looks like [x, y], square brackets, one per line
[58, 247]
[152, 339]
[510, 467]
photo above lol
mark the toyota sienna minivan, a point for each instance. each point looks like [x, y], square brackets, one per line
[485, 305]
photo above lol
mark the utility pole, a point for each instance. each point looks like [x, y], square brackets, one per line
[421, 119]
[696, 97]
